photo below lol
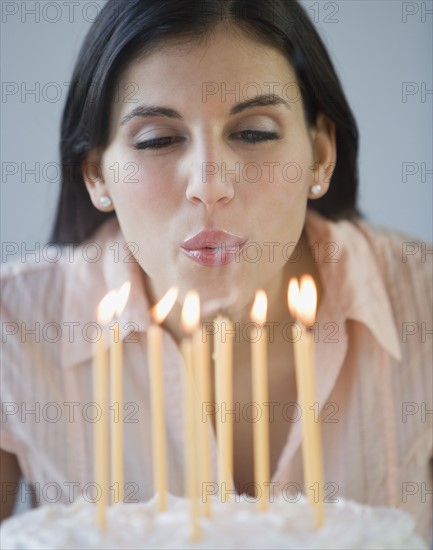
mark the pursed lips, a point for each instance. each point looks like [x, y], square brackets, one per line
[213, 248]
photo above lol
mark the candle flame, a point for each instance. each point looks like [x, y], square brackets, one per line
[160, 311]
[107, 307]
[293, 297]
[122, 297]
[308, 301]
[302, 300]
[191, 311]
[258, 312]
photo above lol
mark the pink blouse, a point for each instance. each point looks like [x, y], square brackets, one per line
[373, 354]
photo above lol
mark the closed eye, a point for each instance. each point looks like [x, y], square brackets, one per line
[158, 143]
[247, 136]
[256, 136]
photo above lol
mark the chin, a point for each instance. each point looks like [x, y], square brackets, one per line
[221, 290]
[228, 301]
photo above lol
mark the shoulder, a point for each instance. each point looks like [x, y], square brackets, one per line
[401, 259]
[29, 282]
[405, 261]
[382, 273]
[390, 244]
[406, 266]
[38, 280]
[24, 268]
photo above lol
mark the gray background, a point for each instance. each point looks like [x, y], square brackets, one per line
[376, 46]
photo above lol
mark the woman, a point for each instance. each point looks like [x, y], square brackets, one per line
[210, 145]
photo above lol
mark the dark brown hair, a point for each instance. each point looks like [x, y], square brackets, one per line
[126, 28]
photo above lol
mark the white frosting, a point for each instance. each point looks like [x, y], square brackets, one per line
[233, 525]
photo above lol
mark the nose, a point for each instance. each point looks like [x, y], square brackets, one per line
[211, 181]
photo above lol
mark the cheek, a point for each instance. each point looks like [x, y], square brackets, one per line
[139, 191]
[279, 201]
[285, 180]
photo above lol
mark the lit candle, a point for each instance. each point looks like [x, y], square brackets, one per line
[100, 389]
[159, 445]
[302, 304]
[308, 313]
[260, 397]
[298, 331]
[223, 356]
[202, 376]
[116, 385]
[190, 319]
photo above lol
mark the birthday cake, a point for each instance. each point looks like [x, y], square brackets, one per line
[232, 525]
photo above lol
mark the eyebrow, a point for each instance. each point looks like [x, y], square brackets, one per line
[260, 100]
[144, 111]
[149, 111]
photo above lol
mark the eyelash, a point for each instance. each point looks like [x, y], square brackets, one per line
[160, 143]
[262, 136]
[156, 143]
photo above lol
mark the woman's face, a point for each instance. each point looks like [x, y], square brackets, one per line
[191, 157]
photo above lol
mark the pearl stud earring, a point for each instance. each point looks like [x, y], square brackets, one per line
[105, 201]
[316, 189]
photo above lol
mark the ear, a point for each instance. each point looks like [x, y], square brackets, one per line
[325, 154]
[95, 184]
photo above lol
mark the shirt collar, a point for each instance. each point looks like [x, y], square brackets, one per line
[351, 279]
[353, 284]
[98, 266]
